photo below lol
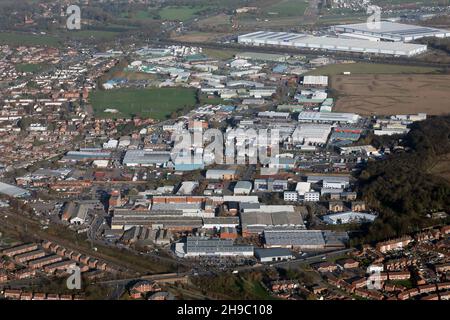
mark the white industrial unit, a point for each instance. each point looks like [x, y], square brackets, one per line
[391, 31]
[295, 40]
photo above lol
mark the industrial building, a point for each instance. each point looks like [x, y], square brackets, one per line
[203, 246]
[243, 187]
[304, 239]
[315, 81]
[86, 154]
[273, 254]
[348, 217]
[391, 31]
[221, 174]
[257, 221]
[13, 191]
[328, 117]
[135, 158]
[291, 196]
[310, 133]
[311, 196]
[295, 40]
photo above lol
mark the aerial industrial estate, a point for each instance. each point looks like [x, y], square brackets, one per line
[225, 152]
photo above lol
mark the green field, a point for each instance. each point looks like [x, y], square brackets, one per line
[181, 13]
[91, 34]
[156, 103]
[223, 54]
[29, 67]
[287, 8]
[370, 68]
[18, 39]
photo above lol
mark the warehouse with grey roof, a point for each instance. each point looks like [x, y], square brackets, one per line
[327, 43]
[391, 31]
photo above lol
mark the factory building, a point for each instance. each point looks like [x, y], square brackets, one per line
[295, 40]
[391, 31]
[304, 239]
[273, 254]
[221, 174]
[328, 117]
[203, 246]
[13, 191]
[348, 217]
[134, 158]
[309, 133]
[315, 81]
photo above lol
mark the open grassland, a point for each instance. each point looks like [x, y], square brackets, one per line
[287, 8]
[198, 37]
[383, 94]
[18, 39]
[370, 68]
[224, 54]
[156, 103]
[30, 67]
[181, 13]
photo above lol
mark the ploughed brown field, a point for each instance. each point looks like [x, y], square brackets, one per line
[382, 94]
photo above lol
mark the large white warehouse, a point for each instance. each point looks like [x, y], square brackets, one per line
[311, 133]
[391, 31]
[327, 117]
[296, 40]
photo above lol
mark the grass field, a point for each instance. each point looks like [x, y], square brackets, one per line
[181, 13]
[287, 8]
[29, 67]
[383, 94]
[224, 54]
[17, 39]
[156, 103]
[91, 34]
[369, 68]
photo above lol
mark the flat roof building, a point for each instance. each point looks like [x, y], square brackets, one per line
[328, 117]
[311, 133]
[273, 254]
[203, 246]
[348, 217]
[145, 158]
[392, 31]
[296, 40]
[13, 191]
[304, 239]
[313, 81]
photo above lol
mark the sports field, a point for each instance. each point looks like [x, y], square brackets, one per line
[156, 103]
[383, 94]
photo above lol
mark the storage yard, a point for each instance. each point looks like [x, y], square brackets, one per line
[392, 94]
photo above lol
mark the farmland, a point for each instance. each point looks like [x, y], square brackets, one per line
[369, 68]
[383, 94]
[156, 103]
